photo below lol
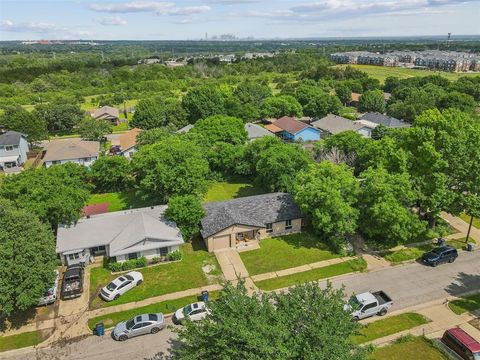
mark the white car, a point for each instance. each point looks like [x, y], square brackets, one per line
[121, 285]
[195, 312]
[50, 295]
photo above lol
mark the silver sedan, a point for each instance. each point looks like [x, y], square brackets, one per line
[139, 325]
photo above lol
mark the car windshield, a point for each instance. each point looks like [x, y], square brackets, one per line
[130, 324]
[187, 310]
[354, 303]
[129, 277]
[111, 286]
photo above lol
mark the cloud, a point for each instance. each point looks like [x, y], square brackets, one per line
[49, 30]
[189, 10]
[112, 21]
[233, 2]
[159, 8]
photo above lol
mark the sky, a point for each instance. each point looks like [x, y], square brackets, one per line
[193, 19]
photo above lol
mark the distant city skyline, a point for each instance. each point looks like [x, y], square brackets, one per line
[192, 19]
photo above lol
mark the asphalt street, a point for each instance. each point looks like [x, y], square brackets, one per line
[407, 285]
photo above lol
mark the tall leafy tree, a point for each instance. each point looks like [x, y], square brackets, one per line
[219, 128]
[94, 130]
[204, 101]
[304, 323]
[343, 92]
[186, 211]
[322, 105]
[328, 193]
[372, 100]
[59, 116]
[19, 119]
[28, 259]
[152, 136]
[281, 105]
[159, 112]
[111, 173]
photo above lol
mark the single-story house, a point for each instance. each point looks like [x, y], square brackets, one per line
[128, 142]
[71, 150]
[122, 235]
[13, 150]
[107, 113]
[273, 129]
[255, 131]
[295, 130]
[381, 119]
[233, 223]
[334, 124]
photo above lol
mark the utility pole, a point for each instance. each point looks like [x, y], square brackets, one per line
[469, 228]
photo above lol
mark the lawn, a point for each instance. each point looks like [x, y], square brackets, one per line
[466, 218]
[382, 72]
[467, 303]
[119, 200]
[165, 307]
[389, 326]
[231, 189]
[312, 275]
[21, 340]
[161, 279]
[285, 252]
[409, 348]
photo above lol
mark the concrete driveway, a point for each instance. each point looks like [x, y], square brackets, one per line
[408, 285]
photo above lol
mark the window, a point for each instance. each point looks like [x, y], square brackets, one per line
[288, 224]
[9, 148]
[74, 256]
[269, 228]
[163, 251]
[368, 307]
[132, 256]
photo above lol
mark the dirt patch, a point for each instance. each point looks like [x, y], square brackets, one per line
[475, 323]
[61, 343]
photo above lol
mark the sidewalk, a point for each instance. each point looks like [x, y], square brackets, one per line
[461, 226]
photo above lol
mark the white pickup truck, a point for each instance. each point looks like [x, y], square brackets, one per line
[369, 304]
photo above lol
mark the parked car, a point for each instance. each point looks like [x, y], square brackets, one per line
[369, 304]
[139, 325]
[51, 294]
[121, 285]
[440, 255]
[72, 286]
[195, 312]
[462, 343]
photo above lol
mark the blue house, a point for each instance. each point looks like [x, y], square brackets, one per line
[295, 130]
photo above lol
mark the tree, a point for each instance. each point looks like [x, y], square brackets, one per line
[328, 194]
[27, 250]
[94, 130]
[186, 211]
[19, 119]
[56, 195]
[249, 155]
[281, 105]
[304, 323]
[455, 99]
[159, 112]
[386, 152]
[385, 204]
[220, 128]
[250, 92]
[173, 166]
[343, 92]
[277, 166]
[203, 101]
[152, 136]
[323, 105]
[59, 116]
[379, 132]
[373, 101]
[111, 173]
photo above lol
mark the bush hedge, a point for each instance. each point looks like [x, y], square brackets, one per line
[174, 255]
[128, 265]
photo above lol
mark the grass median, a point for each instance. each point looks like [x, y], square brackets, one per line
[467, 303]
[409, 348]
[312, 275]
[389, 326]
[21, 340]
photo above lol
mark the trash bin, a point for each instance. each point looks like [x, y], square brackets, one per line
[441, 242]
[470, 247]
[204, 295]
[100, 329]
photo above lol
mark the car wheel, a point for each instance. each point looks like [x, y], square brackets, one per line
[435, 263]
[155, 330]
[382, 312]
[451, 260]
[116, 297]
[139, 282]
[123, 337]
[356, 318]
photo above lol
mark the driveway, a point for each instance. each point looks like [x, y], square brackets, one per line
[408, 285]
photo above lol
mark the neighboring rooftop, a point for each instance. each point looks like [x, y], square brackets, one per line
[254, 211]
[185, 129]
[95, 209]
[124, 231]
[290, 124]
[335, 124]
[129, 139]
[69, 149]
[256, 131]
[106, 110]
[272, 128]
[381, 119]
[11, 138]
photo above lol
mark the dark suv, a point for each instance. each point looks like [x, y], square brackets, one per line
[440, 255]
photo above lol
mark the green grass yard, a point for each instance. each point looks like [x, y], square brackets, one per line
[409, 348]
[467, 303]
[388, 326]
[466, 218]
[161, 279]
[312, 275]
[119, 200]
[285, 252]
[231, 189]
[165, 307]
[21, 340]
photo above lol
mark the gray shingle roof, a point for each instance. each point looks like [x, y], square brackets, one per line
[255, 211]
[336, 124]
[11, 138]
[256, 131]
[388, 121]
[68, 149]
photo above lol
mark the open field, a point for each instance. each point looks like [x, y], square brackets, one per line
[22, 340]
[382, 72]
[231, 189]
[409, 348]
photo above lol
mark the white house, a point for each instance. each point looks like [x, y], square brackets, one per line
[124, 235]
[71, 150]
[13, 150]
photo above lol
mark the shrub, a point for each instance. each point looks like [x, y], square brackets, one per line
[127, 265]
[155, 260]
[174, 255]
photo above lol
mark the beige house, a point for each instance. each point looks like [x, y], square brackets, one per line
[235, 223]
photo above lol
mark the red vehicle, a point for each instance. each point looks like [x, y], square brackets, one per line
[463, 344]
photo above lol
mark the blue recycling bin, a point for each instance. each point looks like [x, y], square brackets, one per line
[441, 242]
[100, 329]
[204, 295]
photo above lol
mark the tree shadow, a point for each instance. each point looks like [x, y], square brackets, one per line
[18, 319]
[174, 344]
[463, 283]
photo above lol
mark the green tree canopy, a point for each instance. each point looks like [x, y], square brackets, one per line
[186, 211]
[59, 116]
[152, 136]
[111, 173]
[19, 119]
[281, 105]
[159, 112]
[322, 105]
[304, 323]
[203, 101]
[27, 250]
[94, 130]
[373, 101]
[220, 128]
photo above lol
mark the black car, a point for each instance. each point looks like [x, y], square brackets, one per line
[72, 282]
[440, 255]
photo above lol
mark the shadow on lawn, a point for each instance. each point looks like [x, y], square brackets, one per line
[21, 318]
[463, 283]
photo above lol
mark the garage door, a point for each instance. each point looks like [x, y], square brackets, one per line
[221, 242]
